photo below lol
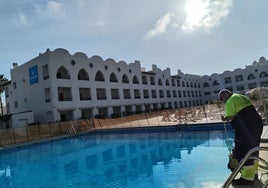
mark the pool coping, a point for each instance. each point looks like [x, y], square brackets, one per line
[158, 128]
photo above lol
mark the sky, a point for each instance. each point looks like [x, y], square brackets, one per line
[199, 37]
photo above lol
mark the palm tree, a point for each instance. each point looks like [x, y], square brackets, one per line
[3, 83]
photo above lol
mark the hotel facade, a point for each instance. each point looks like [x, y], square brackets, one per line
[59, 86]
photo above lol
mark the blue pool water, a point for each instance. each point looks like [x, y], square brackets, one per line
[156, 159]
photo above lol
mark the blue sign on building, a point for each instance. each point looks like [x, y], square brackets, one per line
[33, 75]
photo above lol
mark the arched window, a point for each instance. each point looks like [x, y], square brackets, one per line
[215, 83]
[206, 84]
[63, 73]
[251, 77]
[263, 75]
[99, 77]
[113, 78]
[125, 79]
[83, 75]
[191, 84]
[135, 80]
[167, 82]
[160, 82]
[183, 84]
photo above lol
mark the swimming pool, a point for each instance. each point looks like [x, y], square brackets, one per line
[184, 159]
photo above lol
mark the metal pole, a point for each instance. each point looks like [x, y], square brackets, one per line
[241, 164]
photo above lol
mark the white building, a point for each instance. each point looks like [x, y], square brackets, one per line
[239, 80]
[58, 86]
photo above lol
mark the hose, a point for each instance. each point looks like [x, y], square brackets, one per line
[228, 141]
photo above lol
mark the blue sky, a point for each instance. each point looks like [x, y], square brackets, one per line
[195, 36]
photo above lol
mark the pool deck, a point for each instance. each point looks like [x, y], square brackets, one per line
[265, 134]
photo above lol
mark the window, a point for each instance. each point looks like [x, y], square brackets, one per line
[160, 82]
[101, 93]
[264, 84]
[184, 93]
[173, 82]
[240, 88]
[227, 80]
[205, 84]
[113, 78]
[45, 72]
[63, 73]
[144, 79]
[16, 104]
[263, 75]
[84, 94]
[125, 79]
[168, 94]
[161, 93]
[135, 80]
[238, 78]
[115, 94]
[191, 84]
[83, 75]
[64, 94]
[14, 85]
[167, 83]
[99, 77]
[252, 85]
[178, 83]
[251, 77]
[137, 93]
[154, 94]
[215, 83]
[179, 93]
[145, 94]
[174, 93]
[126, 93]
[152, 80]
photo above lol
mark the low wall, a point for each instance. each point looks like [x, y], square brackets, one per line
[35, 133]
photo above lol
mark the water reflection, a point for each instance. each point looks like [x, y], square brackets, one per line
[111, 160]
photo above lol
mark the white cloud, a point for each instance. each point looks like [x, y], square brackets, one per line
[161, 25]
[200, 14]
[20, 20]
[52, 10]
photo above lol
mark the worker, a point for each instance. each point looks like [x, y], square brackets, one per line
[247, 125]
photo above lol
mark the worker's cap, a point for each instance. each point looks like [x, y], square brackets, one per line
[223, 91]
